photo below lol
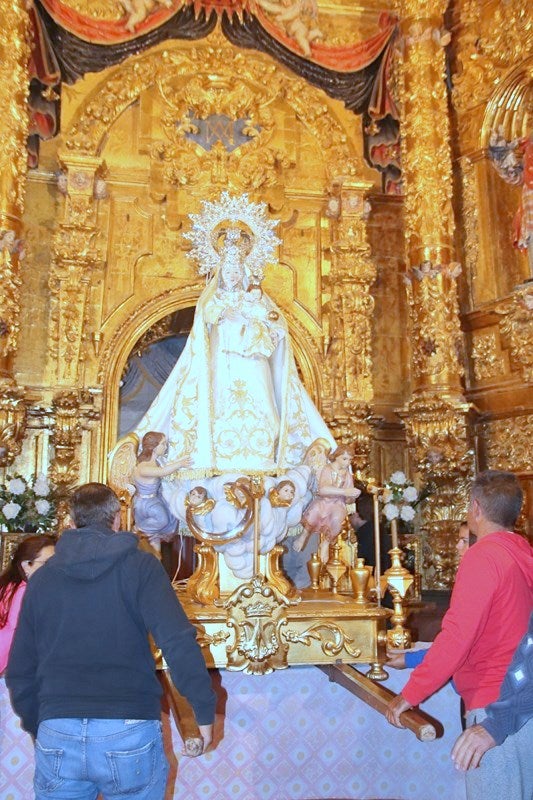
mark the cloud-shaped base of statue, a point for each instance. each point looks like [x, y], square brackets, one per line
[220, 508]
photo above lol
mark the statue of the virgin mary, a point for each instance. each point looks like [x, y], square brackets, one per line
[234, 401]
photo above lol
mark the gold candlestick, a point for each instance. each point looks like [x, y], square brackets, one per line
[374, 491]
[398, 637]
[394, 533]
[399, 580]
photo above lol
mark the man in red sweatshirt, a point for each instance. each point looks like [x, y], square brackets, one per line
[488, 615]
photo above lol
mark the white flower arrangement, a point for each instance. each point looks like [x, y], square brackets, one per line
[400, 498]
[27, 505]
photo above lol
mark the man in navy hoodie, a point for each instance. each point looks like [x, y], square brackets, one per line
[81, 672]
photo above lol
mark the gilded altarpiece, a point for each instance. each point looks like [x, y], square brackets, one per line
[141, 146]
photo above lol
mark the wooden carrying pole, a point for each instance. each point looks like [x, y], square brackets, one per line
[180, 709]
[424, 727]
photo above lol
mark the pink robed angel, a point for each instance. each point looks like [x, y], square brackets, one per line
[326, 512]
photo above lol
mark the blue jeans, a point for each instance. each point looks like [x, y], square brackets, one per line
[76, 759]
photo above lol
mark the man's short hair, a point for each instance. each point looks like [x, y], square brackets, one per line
[499, 496]
[93, 504]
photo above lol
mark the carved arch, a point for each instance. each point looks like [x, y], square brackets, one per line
[511, 105]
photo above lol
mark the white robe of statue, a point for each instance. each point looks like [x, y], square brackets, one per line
[234, 401]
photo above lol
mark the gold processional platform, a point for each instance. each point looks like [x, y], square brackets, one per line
[265, 623]
[257, 629]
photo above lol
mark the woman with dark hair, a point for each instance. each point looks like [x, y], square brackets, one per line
[30, 554]
[152, 515]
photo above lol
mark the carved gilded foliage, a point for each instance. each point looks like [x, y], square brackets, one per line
[75, 257]
[72, 411]
[438, 342]
[333, 639]
[13, 93]
[217, 78]
[491, 37]
[438, 436]
[348, 351]
[517, 329]
[470, 216]
[13, 415]
[14, 84]
[426, 162]
[508, 443]
[486, 356]
[239, 113]
[436, 426]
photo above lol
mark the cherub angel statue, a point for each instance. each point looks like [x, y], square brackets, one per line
[333, 502]
[136, 474]
[138, 10]
[299, 19]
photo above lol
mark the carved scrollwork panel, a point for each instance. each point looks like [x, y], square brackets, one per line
[516, 326]
[332, 638]
[218, 80]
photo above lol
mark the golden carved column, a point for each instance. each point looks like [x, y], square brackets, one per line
[75, 258]
[14, 85]
[436, 416]
[348, 357]
[73, 412]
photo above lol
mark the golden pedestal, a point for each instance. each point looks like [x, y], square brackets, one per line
[257, 633]
[265, 623]
[257, 628]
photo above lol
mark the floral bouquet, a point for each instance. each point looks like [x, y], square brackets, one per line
[400, 498]
[27, 505]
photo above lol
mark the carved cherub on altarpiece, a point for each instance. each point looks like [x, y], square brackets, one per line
[298, 18]
[138, 10]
